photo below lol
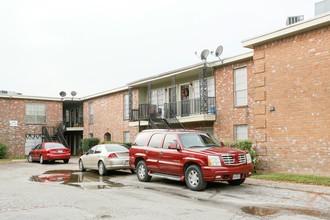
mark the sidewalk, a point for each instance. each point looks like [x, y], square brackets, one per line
[286, 185]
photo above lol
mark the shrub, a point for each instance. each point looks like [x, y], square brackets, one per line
[3, 150]
[88, 143]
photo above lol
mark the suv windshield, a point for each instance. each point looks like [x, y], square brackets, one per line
[194, 140]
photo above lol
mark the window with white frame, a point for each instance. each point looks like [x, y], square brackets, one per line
[126, 106]
[91, 113]
[35, 113]
[127, 137]
[240, 87]
[158, 99]
[210, 88]
[241, 132]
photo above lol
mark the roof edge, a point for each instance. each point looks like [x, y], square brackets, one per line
[300, 27]
[30, 97]
[229, 60]
[104, 93]
[166, 74]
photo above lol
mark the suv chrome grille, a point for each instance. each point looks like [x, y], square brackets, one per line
[229, 159]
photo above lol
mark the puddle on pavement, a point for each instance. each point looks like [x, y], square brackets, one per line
[265, 211]
[259, 211]
[84, 180]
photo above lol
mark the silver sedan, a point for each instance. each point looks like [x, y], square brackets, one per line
[105, 157]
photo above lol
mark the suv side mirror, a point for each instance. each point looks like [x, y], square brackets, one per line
[174, 145]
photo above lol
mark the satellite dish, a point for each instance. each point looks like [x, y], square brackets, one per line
[73, 93]
[62, 94]
[204, 54]
[218, 51]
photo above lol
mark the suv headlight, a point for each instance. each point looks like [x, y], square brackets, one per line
[213, 161]
[248, 158]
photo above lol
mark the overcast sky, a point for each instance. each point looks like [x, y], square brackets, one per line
[91, 46]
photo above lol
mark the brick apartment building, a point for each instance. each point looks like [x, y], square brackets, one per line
[277, 96]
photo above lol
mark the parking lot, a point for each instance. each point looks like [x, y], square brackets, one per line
[60, 191]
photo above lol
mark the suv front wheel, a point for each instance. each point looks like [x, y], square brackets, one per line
[142, 172]
[194, 178]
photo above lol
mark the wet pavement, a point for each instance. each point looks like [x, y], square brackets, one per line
[36, 191]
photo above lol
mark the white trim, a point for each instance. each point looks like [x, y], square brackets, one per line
[290, 30]
[196, 118]
[136, 123]
[74, 128]
[29, 97]
[166, 75]
[234, 59]
[104, 93]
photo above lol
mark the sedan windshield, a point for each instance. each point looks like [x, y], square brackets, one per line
[53, 146]
[115, 147]
[195, 140]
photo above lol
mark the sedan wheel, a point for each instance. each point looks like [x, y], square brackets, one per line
[102, 170]
[194, 178]
[81, 166]
[142, 172]
[30, 160]
[41, 159]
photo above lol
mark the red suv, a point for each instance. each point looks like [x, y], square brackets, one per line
[187, 155]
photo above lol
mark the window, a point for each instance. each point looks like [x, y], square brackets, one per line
[127, 137]
[141, 139]
[107, 136]
[126, 106]
[158, 99]
[170, 139]
[210, 88]
[91, 113]
[241, 132]
[240, 87]
[35, 113]
[155, 140]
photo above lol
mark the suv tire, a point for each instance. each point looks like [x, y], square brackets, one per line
[236, 182]
[194, 178]
[142, 171]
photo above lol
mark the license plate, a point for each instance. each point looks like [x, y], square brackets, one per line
[60, 151]
[236, 176]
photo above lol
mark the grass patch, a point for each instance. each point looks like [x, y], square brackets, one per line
[295, 178]
[12, 160]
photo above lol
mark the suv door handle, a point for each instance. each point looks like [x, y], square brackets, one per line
[161, 152]
[147, 151]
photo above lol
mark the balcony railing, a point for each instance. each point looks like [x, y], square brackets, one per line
[172, 110]
[188, 107]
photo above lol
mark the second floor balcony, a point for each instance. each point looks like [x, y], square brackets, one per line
[185, 111]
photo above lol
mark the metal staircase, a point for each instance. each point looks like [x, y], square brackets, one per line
[53, 134]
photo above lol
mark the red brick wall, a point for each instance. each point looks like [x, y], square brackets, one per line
[227, 114]
[293, 76]
[109, 117]
[297, 84]
[14, 109]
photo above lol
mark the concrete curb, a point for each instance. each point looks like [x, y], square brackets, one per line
[292, 186]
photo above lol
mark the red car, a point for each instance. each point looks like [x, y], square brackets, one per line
[187, 155]
[49, 151]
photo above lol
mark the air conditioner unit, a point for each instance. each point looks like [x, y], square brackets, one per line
[294, 19]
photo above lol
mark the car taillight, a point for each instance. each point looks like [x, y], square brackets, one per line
[113, 155]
